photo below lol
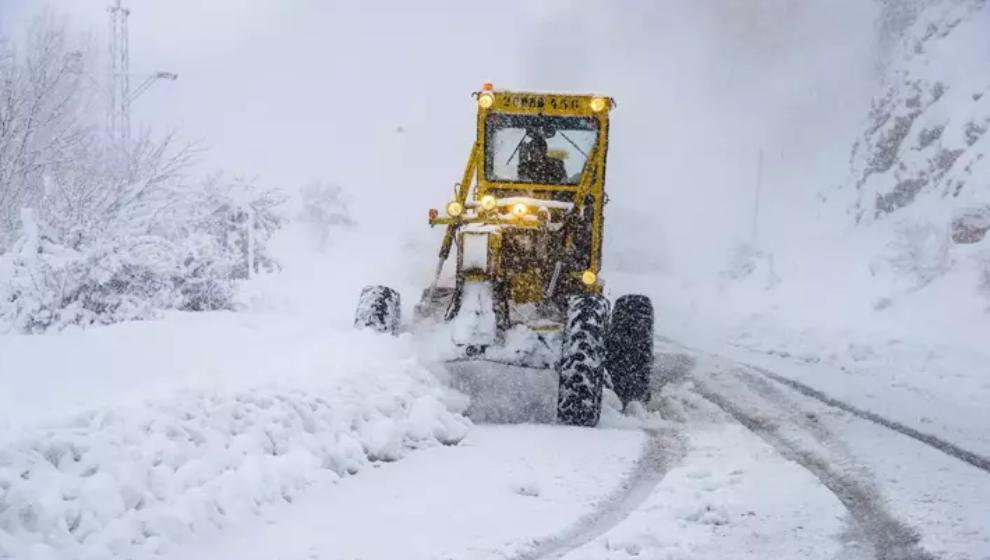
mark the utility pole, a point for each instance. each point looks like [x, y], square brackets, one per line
[119, 79]
[756, 197]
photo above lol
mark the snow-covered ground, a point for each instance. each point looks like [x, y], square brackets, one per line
[502, 489]
[930, 376]
[908, 498]
[122, 441]
[731, 496]
[283, 433]
[529, 492]
[261, 435]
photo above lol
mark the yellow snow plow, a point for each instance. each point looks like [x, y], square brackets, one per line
[525, 298]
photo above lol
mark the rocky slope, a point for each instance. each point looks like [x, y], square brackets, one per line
[924, 150]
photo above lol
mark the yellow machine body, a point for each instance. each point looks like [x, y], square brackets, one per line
[544, 236]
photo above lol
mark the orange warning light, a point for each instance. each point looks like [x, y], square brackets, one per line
[487, 86]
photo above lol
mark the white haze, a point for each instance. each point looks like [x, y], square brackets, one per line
[375, 97]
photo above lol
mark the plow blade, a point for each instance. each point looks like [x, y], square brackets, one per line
[504, 393]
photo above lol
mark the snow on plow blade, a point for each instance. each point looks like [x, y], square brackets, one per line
[503, 393]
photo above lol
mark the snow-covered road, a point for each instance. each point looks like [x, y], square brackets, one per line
[503, 489]
[686, 479]
[530, 492]
[906, 497]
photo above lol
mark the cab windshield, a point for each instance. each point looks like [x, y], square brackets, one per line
[538, 149]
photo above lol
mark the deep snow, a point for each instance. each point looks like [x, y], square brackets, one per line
[122, 441]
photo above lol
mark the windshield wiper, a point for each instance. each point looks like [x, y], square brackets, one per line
[513, 154]
[576, 147]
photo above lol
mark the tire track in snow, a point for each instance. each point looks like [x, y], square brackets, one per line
[890, 538]
[661, 451]
[935, 442]
[970, 457]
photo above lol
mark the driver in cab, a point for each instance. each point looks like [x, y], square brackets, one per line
[536, 166]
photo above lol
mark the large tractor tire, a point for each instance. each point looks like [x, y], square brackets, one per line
[379, 310]
[629, 348]
[581, 369]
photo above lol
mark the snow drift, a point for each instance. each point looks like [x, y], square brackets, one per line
[130, 480]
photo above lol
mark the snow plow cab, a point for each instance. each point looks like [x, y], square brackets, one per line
[525, 292]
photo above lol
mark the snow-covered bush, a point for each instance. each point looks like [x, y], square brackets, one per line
[117, 231]
[323, 208]
[49, 285]
[240, 217]
[920, 251]
[747, 261]
[970, 225]
[179, 249]
[202, 280]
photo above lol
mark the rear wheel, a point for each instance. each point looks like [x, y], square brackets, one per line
[581, 368]
[378, 309]
[629, 348]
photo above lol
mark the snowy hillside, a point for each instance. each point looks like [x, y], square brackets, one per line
[879, 289]
[925, 145]
[899, 248]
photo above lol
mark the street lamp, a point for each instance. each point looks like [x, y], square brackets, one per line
[148, 82]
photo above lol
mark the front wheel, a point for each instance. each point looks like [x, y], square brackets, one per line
[379, 310]
[581, 369]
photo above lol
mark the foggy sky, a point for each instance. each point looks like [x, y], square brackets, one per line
[292, 91]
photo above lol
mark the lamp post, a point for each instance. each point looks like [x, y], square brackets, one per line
[121, 96]
[125, 105]
[148, 82]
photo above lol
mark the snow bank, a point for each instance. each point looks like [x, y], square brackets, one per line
[128, 480]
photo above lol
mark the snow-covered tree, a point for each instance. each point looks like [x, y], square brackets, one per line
[920, 252]
[44, 96]
[105, 193]
[324, 208]
[93, 233]
[241, 216]
[49, 285]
